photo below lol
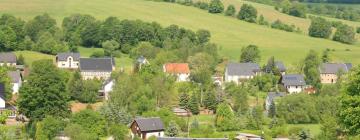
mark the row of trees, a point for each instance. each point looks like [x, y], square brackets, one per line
[336, 11]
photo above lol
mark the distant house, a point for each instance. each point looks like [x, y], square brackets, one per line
[180, 70]
[281, 67]
[147, 127]
[329, 71]
[178, 138]
[271, 97]
[107, 87]
[2, 96]
[141, 61]
[294, 83]
[7, 59]
[16, 81]
[99, 68]
[181, 112]
[237, 72]
[246, 136]
[68, 60]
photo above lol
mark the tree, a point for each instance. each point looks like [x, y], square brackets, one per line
[203, 36]
[345, 34]
[311, 69]
[247, 13]
[326, 56]
[7, 39]
[262, 21]
[216, 6]
[184, 100]
[328, 128]
[73, 25]
[250, 54]
[77, 132]
[49, 128]
[26, 44]
[285, 6]
[320, 28]
[172, 130]
[75, 85]
[224, 117]
[119, 132]
[230, 10]
[110, 46]
[240, 96]
[90, 91]
[272, 110]
[358, 30]
[194, 105]
[115, 114]
[349, 103]
[41, 23]
[210, 100]
[20, 60]
[5, 79]
[298, 10]
[44, 93]
[48, 44]
[91, 121]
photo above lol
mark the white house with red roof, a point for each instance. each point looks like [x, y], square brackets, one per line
[180, 70]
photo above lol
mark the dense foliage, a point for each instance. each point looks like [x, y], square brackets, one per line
[250, 54]
[345, 34]
[311, 69]
[230, 10]
[247, 13]
[216, 6]
[320, 28]
[282, 26]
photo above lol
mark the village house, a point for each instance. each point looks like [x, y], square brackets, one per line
[99, 68]
[238, 72]
[281, 67]
[7, 59]
[178, 138]
[294, 83]
[271, 98]
[180, 112]
[16, 81]
[147, 127]
[106, 88]
[329, 71]
[180, 70]
[68, 60]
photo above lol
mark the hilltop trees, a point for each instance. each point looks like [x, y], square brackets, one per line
[41, 23]
[250, 53]
[350, 101]
[44, 93]
[320, 28]
[247, 13]
[345, 34]
[230, 10]
[216, 6]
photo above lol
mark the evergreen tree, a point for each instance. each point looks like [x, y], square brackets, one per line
[210, 100]
[272, 110]
[172, 130]
[225, 117]
[311, 69]
[194, 105]
[184, 100]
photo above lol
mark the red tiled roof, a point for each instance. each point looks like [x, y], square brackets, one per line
[177, 68]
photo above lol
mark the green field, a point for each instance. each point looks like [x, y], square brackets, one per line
[230, 33]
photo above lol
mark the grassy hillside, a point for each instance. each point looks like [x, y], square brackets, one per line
[229, 33]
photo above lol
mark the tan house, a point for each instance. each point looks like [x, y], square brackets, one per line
[7, 59]
[68, 60]
[99, 68]
[329, 71]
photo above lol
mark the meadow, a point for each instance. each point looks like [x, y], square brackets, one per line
[231, 34]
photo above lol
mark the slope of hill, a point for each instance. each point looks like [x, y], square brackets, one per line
[231, 34]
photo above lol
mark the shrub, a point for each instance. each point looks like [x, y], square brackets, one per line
[358, 30]
[320, 28]
[230, 10]
[202, 5]
[216, 6]
[282, 26]
[247, 13]
[345, 34]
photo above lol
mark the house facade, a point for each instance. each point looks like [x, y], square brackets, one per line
[329, 71]
[180, 70]
[2, 96]
[237, 72]
[68, 60]
[16, 81]
[7, 59]
[271, 98]
[107, 87]
[147, 127]
[96, 68]
[294, 83]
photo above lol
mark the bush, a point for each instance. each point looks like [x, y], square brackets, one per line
[230, 10]
[247, 13]
[202, 5]
[216, 6]
[282, 26]
[358, 30]
[92, 122]
[298, 10]
[345, 34]
[320, 28]
[97, 54]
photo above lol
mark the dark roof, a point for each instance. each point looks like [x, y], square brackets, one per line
[280, 65]
[150, 124]
[272, 95]
[176, 138]
[64, 56]
[242, 68]
[8, 57]
[96, 64]
[334, 68]
[293, 80]
[2, 91]
[14, 76]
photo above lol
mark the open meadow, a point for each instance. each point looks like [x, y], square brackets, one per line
[231, 34]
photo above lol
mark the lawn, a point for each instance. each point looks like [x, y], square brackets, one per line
[230, 33]
[31, 56]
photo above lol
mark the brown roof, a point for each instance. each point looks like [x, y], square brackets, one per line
[177, 68]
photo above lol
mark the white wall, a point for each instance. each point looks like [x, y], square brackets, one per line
[156, 134]
[66, 64]
[8, 64]
[108, 88]
[183, 77]
[98, 75]
[2, 103]
[294, 89]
